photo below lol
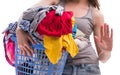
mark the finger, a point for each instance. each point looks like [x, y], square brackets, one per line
[24, 51]
[108, 31]
[20, 49]
[112, 33]
[98, 42]
[31, 40]
[29, 49]
[97, 39]
[105, 29]
[29, 53]
[102, 32]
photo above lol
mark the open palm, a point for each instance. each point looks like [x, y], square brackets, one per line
[106, 40]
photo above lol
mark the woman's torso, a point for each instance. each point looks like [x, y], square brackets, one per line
[84, 26]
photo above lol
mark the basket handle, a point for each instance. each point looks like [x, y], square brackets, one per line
[38, 46]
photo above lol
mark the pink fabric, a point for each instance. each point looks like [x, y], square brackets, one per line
[9, 47]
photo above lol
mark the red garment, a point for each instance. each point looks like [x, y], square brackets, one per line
[55, 25]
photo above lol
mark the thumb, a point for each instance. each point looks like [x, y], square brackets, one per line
[98, 40]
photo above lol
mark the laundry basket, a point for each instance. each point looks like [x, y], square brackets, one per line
[38, 64]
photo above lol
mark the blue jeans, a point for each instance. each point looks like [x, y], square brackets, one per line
[82, 69]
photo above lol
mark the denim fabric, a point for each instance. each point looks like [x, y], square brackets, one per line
[82, 69]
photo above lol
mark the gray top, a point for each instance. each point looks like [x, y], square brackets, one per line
[84, 30]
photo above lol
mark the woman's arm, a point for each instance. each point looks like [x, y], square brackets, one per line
[23, 37]
[102, 36]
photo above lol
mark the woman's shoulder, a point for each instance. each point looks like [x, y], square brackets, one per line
[97, 15]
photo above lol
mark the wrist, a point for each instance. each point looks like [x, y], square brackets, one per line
[20, 31]
[104, 56]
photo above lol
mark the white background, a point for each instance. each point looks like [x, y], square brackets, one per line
[10, 10]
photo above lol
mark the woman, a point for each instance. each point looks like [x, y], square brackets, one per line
[88, 19]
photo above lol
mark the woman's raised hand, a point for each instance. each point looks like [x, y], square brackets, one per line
[105, 42]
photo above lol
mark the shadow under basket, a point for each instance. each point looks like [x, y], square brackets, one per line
[38, 64]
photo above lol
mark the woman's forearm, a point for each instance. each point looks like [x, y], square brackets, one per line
[104, 56]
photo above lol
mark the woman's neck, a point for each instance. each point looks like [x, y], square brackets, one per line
[77, 3]
[81, 2]
[78, 8]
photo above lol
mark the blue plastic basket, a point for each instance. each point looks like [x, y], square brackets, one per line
[38, 64]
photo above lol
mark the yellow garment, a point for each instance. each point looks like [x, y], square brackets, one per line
[54, 45]
[73, 21]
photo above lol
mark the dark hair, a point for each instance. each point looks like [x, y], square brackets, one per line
[95, 3]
